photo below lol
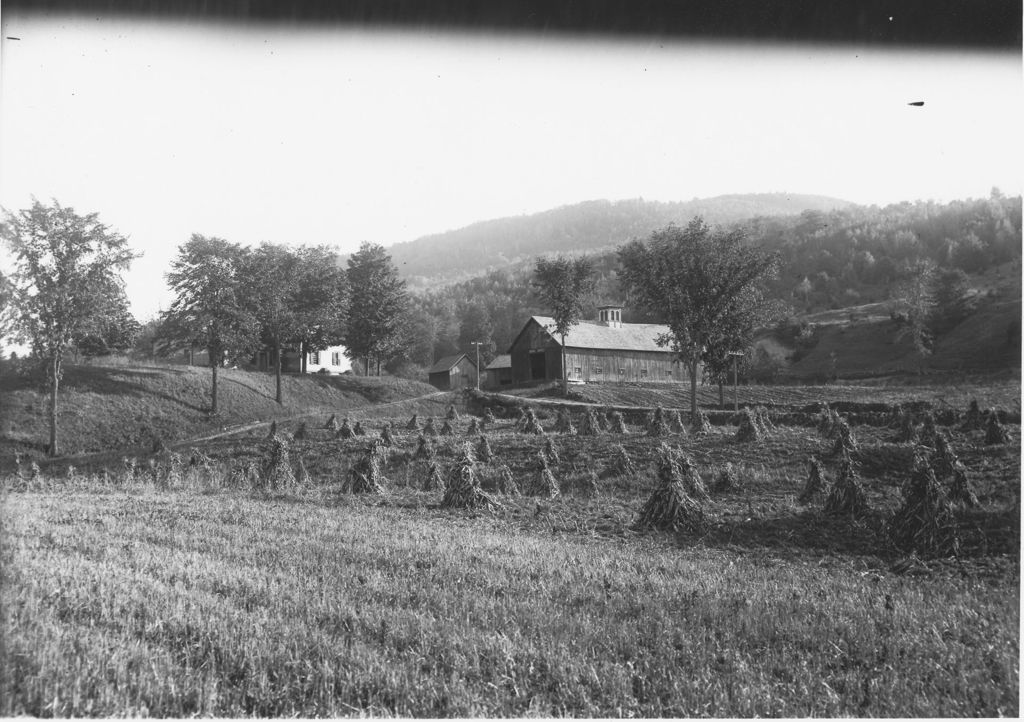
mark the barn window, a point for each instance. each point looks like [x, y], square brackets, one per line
[579, 371]
[622, 372]
[314, 357]
[597, 369]
[643, 373]
[336, 358]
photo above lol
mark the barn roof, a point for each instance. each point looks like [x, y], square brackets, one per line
[445, 363]
[503, 361]
[596, 335]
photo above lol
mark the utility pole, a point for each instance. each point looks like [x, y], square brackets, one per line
[735, 384]
[478, 344]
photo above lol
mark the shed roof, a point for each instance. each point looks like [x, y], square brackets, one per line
[502, 361]
[596, 335]
[445, 363]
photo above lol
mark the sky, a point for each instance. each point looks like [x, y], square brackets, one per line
[268, 133]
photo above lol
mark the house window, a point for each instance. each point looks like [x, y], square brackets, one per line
[314, 358]
[643, 373]
[336, 358]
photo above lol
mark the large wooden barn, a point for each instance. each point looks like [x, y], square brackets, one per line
[601, 351]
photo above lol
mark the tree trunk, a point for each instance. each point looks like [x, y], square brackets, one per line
[302, 356]
[565, 374]
[378, 365]
[366, 366]
[721, 394]
[54, 384]
[213, 391]
[277, 370]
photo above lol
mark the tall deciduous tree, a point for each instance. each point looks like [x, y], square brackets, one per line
[703, 283]
[564, 285]
[113, 328]
[271, 278]
[378, 307]
[914, 300]
[66, 266]
[209, 309]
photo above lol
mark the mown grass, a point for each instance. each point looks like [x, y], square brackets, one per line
[125, 597]
[177, 604]
[105, 407]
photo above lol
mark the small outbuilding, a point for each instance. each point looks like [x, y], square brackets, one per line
[498, 373]
[452, 372]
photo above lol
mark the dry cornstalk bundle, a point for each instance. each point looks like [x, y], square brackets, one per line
[616, 423]
[447, 429]
[928, 430]
[700, 423]
[691, 479]
[129, 468]
[846, 496]
[907, 429]
[463, 489]
[358, 429]
[815, 485]
[276, 471]
[198, 459]
[944, 458]
[543, 482]
[896, 415]
[244, 474]
[345, 431]
[588, 483]
[603, 418]
[520, 418]
[414, 423]
[826, 420]
[657, 427]
[332, 424]
[589, 425]
[474, 427]
[551, 451]
[531, 425]
[505, 482]
[385, 435]
[925, 523]
[488, 416]
[973, 419]
[845, 443]
[763, 420]
[300, 433]
[675, 423]
[273, 430]
[451, 414]
[670, 506]
[302, 473]
[158, 445]
[727, 479]
[35, 474]
[620, 464]
[749, 429]
[367, 475]
[434, 479]
[483, 450]
[428, 428]
[995, 433]
[563, 423]
[960, 489]
[423, 448]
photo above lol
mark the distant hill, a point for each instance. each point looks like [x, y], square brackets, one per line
[587, 226]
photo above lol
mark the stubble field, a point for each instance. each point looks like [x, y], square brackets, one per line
[180, 590]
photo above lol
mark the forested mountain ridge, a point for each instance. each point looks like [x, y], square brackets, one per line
[828, 260]
[589, 226]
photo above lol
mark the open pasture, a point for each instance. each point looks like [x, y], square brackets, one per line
[182, 590]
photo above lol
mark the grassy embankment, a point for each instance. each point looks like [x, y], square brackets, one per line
[113, 407]
[186, 598]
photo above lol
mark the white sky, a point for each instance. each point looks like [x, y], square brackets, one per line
[310, 136]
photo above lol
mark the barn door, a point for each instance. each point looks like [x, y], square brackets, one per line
[537, 365]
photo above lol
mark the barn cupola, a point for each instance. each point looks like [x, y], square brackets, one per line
[610, 316]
